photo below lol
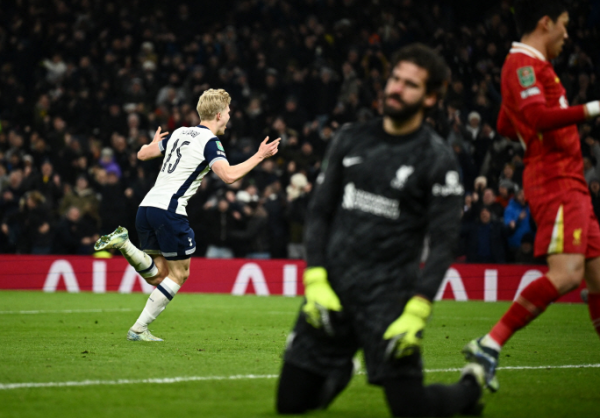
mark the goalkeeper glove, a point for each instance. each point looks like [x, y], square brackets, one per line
[406, 332]
[320, 299]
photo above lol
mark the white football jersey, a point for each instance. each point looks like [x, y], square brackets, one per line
[189, 155]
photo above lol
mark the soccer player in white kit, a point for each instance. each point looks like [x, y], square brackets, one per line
[166, 239]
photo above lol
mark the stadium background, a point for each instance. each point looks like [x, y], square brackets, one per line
[83, 84]
[64, 353]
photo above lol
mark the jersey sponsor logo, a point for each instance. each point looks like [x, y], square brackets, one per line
[451, 188]
[526, 76]
[401, 176]
[350, 161]
[221, 153]
[220, 146]
[530, 92]
[356, 199]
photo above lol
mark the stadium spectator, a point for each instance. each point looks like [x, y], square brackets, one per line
[525, 254]
[252, 238]
[82, 196]
[518, 219]
[72, 236]
[49, 184]
[11, 194]
[489, 201]
[298, 196]
[484, 239]
[65, 104]
[219, 220]
[505, 192]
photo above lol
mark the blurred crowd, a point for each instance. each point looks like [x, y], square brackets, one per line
[84, 84]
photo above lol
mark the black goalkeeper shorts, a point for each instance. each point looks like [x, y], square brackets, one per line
[358, 326]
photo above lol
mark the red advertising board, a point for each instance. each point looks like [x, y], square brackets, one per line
[489, 282]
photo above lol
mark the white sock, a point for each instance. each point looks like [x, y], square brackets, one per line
[157, 302]
[488, 341]
[139, 260]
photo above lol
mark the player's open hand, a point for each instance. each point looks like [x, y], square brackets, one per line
[268, 150]
[158, 136]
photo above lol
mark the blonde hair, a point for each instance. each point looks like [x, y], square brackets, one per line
[212, 102]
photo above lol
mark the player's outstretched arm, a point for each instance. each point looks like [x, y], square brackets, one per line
[544, 119]
[231, 173]
[152, 150]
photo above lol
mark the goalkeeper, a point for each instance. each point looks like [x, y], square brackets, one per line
[385, 185]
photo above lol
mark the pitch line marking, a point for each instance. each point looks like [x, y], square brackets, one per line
[8, 386]
[63, 311]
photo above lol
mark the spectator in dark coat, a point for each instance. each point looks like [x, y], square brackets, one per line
[69, 237]
[38, 231]
[112, 203]
[253, 238]
[219, 221]
[485, 240]
[298, 196]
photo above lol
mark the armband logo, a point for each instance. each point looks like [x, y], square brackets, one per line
[526, 76]
[220, 146]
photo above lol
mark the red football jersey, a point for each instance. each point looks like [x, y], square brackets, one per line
[553, 160]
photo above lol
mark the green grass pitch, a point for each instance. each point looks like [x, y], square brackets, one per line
[210, 338]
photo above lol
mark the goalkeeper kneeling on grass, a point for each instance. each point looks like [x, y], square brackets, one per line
[386, 184]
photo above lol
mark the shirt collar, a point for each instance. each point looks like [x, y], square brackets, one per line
[519, 47]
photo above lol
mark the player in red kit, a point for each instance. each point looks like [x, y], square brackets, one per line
[535, 110]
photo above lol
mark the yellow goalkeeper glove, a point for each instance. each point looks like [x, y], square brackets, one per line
[320, 299]
[406, 332]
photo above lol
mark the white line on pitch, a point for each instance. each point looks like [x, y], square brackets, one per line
[63, 311]
[566, 366]
[7, 386]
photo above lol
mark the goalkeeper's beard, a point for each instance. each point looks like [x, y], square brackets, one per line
[405, 112]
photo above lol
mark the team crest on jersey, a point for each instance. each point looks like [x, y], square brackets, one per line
[401, 176]
[577, 236]
[526, 76]
[220, 146]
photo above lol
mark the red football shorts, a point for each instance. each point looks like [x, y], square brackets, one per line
[566, 224]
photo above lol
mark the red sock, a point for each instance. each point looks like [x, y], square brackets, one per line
[531, 302]
[594, 307]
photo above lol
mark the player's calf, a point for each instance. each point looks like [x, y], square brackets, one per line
[157, 302]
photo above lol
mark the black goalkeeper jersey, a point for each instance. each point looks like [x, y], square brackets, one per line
[377, 198]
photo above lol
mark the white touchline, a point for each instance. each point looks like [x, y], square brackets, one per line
[63, 311]
[8, 386]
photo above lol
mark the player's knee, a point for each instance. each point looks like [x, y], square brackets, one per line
[155, 281]
[183, 276]
[568, 281]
